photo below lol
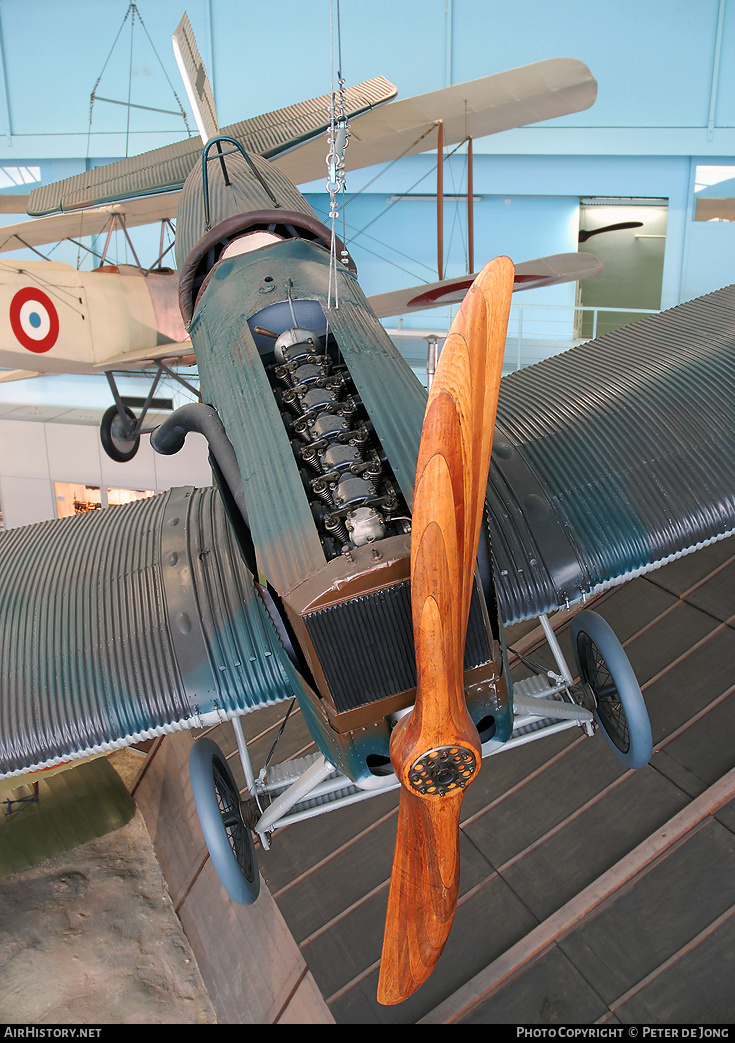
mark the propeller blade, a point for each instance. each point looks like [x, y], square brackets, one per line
[435, 750]
[585, 234]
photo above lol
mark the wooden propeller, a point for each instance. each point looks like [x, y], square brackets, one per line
[435, 750]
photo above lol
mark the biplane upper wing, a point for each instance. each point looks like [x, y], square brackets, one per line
[123, 624]
[614, 457]
[293, 137]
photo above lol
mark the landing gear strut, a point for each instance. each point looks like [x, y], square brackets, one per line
[120, 429]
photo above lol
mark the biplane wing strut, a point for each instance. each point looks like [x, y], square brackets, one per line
[435, 750]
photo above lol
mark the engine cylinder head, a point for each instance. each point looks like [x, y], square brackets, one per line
[296, 335]
[365, 525]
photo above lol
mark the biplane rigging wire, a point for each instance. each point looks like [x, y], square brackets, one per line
[398, 198]
[339, 132]
[388, 246]
[385, 246]
[132, 13]
[51, 288]
[456, 223]
[392, 163]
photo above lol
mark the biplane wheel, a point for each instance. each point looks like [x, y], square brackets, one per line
[619, 707]
[228, 839]
[112, 436]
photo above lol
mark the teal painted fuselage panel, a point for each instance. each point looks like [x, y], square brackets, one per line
[283, 286]
[275, 286]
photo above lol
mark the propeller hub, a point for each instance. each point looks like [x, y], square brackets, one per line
[443, 769]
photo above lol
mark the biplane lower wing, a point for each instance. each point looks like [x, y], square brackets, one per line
[614, 457]
[529, 275]
[123, 624]
[76, 224]
[134, 359]
[9, 375]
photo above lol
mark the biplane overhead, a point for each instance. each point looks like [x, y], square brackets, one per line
[363, 547]
[118, 317]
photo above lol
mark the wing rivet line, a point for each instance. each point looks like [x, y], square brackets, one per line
[443, 769]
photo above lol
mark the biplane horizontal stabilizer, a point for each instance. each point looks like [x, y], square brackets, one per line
[165, 169]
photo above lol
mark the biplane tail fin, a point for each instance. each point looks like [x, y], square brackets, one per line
[196, 81]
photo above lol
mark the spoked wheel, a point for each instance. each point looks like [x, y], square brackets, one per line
[619, 708]
[112, 435]
[228, 839]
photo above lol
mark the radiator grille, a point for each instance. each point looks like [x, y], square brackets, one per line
[366, 650]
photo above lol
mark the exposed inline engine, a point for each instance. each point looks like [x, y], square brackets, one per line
[353, 494]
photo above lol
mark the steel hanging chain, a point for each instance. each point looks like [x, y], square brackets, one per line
[338, 140]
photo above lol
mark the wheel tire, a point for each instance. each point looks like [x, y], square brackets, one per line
[112, 436]
[619, 707]
[228, 840]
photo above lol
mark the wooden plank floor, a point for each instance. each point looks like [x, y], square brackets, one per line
[540, 826]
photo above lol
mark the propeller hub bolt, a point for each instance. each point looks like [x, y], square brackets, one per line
[443, 769]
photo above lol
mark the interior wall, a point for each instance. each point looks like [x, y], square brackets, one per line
[708, 257]
[420, 45]
[34, 454]
[632, 261]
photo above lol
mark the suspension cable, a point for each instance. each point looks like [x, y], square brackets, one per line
[339, 132]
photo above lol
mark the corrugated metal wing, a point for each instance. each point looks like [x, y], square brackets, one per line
[122, 624]
[615, 457]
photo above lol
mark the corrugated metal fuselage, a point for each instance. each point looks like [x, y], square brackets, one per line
[347, 608]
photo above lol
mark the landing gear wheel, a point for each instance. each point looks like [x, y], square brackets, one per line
[112, 436]
[619, 708]
[229, 841]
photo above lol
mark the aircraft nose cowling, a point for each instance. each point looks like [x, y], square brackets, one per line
[246, 192]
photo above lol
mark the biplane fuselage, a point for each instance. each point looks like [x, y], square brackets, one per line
[56, 319]
[324, 418]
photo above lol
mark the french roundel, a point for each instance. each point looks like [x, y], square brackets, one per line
[34, 319]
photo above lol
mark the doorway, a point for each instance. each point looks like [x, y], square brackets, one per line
[632, 258]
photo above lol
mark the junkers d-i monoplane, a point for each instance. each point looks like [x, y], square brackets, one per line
[361, 549]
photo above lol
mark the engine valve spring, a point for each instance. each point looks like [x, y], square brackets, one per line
[342, 472]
